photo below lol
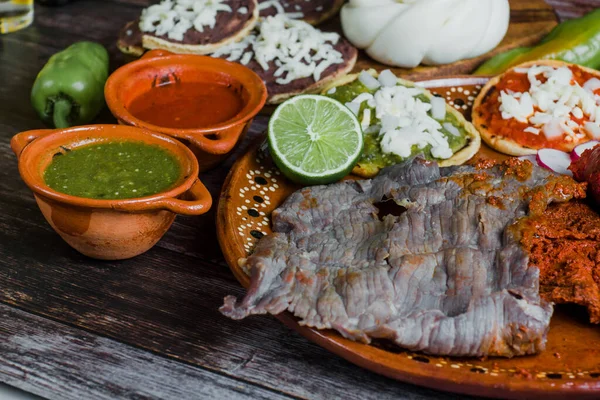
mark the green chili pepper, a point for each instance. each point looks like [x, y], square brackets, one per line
[575, 41]
[69, 90]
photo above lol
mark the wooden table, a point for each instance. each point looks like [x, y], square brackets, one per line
[75, 328]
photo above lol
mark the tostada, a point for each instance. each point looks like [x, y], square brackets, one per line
[189, 26]
[291, 56]
[401, 120]
[539, 104]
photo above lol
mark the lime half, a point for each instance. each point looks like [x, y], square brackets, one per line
[314, 139]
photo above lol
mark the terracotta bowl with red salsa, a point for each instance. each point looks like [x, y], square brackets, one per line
[110, 191]
[207, 103]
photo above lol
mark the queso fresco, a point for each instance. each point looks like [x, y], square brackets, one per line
[113, 170]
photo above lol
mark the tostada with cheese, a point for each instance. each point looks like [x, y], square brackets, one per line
[291, 56]
[400, 120]
[314, 11]
[189, 26]
[539, 104]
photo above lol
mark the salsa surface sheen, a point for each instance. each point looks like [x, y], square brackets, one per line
[113, 170]
[187, 105]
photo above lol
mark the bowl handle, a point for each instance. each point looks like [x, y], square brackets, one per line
[157, 53]
[197, 202]
[23, 139]
[226, 141]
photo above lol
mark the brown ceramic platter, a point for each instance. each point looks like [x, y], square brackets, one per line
[570, 365]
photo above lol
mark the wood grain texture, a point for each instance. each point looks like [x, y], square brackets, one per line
[61, 362]
[165, 301]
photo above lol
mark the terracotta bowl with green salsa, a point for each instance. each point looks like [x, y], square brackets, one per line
[110, 191]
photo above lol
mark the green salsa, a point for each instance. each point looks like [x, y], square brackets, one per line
[372, 153]
[113, 170]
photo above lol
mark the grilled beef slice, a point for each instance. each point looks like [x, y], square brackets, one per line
[448, 276]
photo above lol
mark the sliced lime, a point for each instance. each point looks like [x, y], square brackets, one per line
[314, 139]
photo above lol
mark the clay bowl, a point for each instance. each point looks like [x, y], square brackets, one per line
[211, 144]
[108, 229]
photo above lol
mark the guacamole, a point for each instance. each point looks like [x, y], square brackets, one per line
[113, 170]
[373, 154]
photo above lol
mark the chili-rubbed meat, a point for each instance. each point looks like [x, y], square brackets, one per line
[448, 276]
[587, 169]
[564, 243]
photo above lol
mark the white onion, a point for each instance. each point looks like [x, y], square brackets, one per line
[552, 129]
[366, 119]
[387, 78]
[438, 108]
[362, 97]
[555, 160]
[592, 129]
[368, 80]
[354, 107]
[533, 130]
[451, 128]
[578, 150]
[592, 84]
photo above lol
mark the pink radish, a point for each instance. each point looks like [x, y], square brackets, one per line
[578, 150]
[555, 160]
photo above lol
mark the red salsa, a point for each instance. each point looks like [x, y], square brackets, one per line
[187, 105]
[514, 129]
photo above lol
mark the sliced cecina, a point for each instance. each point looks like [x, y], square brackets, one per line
[541, 104]
[192, 26]
[291, 56]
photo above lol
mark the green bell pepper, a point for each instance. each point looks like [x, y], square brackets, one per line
[69, 90]
[575, 41]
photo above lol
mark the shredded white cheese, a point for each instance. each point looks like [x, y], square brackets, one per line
[550, 106]
[297, 49]
[403, 120]
[276, 4]
[175, 17]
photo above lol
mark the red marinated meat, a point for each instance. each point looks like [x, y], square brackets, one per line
[587, 169]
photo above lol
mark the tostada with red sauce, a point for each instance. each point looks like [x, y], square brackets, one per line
[540, 104]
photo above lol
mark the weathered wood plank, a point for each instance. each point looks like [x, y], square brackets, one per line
[168, 303]
[60, 362]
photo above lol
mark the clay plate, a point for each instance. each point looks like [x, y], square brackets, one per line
[569, 366]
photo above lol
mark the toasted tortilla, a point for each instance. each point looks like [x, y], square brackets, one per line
[307, 85]
[313, 17]
[133, 41]
[317, 87]
[503, 144]
[130, 39]
[367, 170]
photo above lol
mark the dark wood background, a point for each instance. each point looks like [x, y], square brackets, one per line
[147, 328]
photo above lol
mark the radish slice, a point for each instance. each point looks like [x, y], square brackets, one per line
[531, 157]
[555, 160]
[578, 150]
